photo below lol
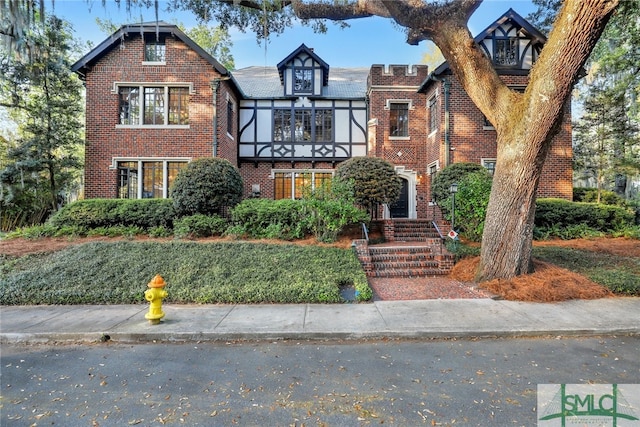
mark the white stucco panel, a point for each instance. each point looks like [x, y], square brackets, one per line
[265, 124]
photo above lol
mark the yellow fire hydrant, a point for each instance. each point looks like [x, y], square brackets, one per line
[155, 294]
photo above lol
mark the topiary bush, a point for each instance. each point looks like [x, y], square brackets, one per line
[451, 174]
[206, 186]
[96, 213]
[374, 181]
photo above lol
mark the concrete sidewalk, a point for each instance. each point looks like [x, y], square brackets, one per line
[393, 319]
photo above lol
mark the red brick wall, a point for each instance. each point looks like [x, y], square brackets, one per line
[104, 142]
[471, 141]
[401, 83]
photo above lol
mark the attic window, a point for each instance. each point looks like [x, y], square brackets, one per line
[303, 80]
[154, 49]
[506, 52]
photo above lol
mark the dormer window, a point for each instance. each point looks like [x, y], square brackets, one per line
[154, 49]
[303, 80]
[506, 52]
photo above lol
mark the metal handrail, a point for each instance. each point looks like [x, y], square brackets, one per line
[437, 229]
[365, 232]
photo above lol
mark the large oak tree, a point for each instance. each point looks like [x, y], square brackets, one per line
[525, 123]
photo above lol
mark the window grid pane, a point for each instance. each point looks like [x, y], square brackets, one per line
[127, 180]
[303, 80]
[282, 125]
[172, 171]
[398, 119]
[433, 114]
[178, 106]
[229, 117]
[282, 186]
[302, 184]
[324, 125]
[506, 52]
[129, 106]
[152, 184]
[153, 106]
[303, 125]
[154, 51]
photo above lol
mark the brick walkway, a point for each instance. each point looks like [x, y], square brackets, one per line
[396, 289]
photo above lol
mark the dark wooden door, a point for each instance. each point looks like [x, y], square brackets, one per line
[400, 209]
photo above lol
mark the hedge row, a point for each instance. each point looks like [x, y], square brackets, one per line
[96, 213]
[560, 213]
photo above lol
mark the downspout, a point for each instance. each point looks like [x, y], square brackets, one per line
[447, 141]
[215, 84]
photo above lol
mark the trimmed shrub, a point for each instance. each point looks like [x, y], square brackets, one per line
[96, 213]
[454, 173]
[207, 186]
[271, 219]
[374, 181]
[472, 199]
[561, 214]
[199, 225]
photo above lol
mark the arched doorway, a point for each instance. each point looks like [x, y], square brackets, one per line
[409, 180]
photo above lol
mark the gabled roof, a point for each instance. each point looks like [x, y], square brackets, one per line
[259, 82]
[304, 49]
[82, 65]
[510, 15]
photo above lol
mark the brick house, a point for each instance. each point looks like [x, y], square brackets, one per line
[156, 100]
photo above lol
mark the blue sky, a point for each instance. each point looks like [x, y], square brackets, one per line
[368, 41]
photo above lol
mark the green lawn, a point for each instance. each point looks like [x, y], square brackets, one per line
[222, 272]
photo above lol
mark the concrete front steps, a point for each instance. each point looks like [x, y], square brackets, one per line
[413, 248]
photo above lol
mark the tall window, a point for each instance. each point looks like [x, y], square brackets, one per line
[178, 106]
[506, 52]
[152, 107]
[399, 119]
[129, 105]
[303, 82]
[128, 180]
[307, 125]
[230, 117]
[434, 118]
[294, 184]
[156, 178]
[154, 50]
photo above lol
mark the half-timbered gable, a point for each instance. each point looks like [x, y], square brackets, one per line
[457, 131]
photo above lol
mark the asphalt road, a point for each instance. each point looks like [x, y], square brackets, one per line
[488, 382]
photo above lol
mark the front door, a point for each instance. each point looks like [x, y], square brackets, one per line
[400, 209]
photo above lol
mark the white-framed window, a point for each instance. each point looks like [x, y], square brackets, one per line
[433, 168]
[146, 178]
[153, 104]
[489, 164]
[292, 184]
